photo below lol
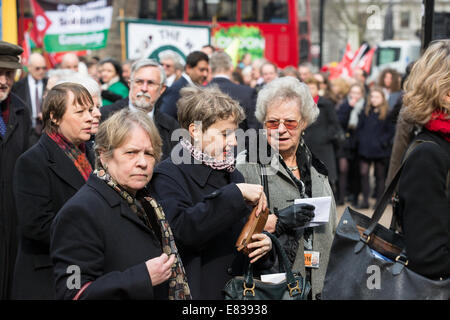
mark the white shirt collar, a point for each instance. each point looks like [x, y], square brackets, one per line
[186, 76]
[221, 75]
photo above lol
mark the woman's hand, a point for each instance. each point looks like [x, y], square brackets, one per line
[254, 194]
[261, 245]
[160, 268]
[271, 223]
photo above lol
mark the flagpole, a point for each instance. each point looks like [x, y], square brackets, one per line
[122, 34]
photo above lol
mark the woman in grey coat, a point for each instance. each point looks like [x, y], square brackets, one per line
[285, 108]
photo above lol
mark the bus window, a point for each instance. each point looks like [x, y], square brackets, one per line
[271, 11]
[172, 9]
[204, 10]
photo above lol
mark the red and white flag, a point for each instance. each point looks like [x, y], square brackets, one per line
[26, 46]
[40, 24]
[344, 67]
[366, 61]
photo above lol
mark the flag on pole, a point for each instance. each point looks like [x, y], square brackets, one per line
[40, 24]
[359, 54]
[366, 61]
[344, 67]
[26, 46]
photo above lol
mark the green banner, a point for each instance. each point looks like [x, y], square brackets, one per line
[75, 41]
[250, 40]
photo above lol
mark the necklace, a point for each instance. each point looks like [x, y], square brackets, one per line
[293, 168]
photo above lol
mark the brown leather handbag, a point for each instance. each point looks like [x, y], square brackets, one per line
[253, 226]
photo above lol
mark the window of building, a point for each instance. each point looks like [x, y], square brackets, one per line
[172, 9]
[205, 10]
[147, 9]
[270, 11]
[404, 19]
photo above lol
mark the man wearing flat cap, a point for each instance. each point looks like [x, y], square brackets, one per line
[15, 126]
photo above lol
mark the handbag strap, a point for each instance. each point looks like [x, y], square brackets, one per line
[284, 265]
[384, 200]
[265, 183]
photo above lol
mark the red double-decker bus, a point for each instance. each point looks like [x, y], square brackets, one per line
[283, 25]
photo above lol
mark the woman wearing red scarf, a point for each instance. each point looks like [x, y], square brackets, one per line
[46, 176]
[424, 206]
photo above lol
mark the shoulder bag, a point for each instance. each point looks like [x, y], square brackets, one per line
[369, 262]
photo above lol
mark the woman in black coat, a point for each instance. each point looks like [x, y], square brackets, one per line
[204, 198]
[424, 185]
[374, 136]
[111, 240]
[348, 114]
[46, 176]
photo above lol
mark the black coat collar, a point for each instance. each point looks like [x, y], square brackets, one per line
[115, 200]
[60, 163]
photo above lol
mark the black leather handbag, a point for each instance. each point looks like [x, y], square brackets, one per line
[248, 288]
[369, 262]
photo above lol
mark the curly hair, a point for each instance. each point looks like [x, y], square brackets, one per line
[396, 80]
[428, 84]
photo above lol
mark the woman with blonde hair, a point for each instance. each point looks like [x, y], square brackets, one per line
[423, 189]
[374, 135]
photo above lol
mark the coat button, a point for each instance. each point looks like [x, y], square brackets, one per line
[230, 271]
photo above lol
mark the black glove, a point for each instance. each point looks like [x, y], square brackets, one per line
[294, 216]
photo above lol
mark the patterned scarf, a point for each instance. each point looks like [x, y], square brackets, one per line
[228, 164]
[440, 122]
[76, 154]
[144, 206]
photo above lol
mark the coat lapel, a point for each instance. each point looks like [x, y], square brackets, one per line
[61, 165]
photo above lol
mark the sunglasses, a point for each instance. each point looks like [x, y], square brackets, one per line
[289, 124]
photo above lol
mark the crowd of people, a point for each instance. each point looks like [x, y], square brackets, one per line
[128, 170]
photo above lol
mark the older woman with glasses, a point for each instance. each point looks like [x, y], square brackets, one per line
[285, 108]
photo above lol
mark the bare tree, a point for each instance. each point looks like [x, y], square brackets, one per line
[356, 15]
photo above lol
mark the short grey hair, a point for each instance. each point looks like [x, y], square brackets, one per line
[59, 74]
[148, 63]
[286, 89]
[178, 62]
[220, 62]
[86, 81]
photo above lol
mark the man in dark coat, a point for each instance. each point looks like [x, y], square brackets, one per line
[146, 86]
[31, 89]
[222, 68]
[15, 126]
[195, 73]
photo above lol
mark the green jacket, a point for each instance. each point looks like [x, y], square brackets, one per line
[118, 88]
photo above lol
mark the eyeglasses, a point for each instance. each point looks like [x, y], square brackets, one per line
[150, 83]
[289, 124]
[167, 65]
[40, 68]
